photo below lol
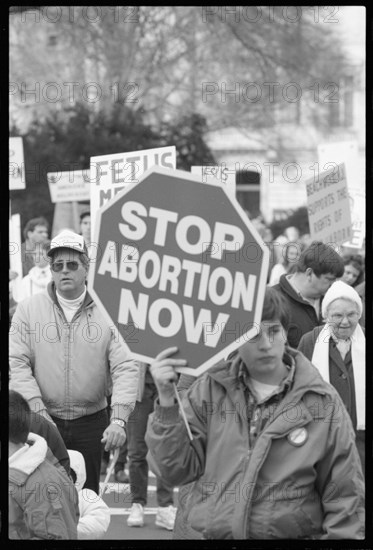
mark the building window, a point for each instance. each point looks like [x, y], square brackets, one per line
[52, 40]
[248, 191]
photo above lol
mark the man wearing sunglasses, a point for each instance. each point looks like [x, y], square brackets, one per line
[65, 359]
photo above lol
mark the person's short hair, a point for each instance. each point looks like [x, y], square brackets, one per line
[84, 215]
[322, 259]
[19, 418]
[275, 307]
[85, 260]
[31, 224]
[292, 244]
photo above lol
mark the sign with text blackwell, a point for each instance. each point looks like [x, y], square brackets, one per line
[180, 264]
[329, 206]
[110, 174]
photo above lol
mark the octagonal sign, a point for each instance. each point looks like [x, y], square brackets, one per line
[179, 264]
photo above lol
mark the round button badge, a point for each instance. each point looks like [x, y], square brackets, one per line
[298, 437]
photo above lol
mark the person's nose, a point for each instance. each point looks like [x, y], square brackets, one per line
[265, 342]
[345, 321]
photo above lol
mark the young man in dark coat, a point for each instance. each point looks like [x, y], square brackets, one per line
[318, 267]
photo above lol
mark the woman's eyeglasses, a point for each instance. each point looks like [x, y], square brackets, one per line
[337, 317]
[58, 266]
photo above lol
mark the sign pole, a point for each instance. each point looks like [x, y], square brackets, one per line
[110, 470]
[75, 216]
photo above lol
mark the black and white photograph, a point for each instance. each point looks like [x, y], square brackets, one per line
[187, 267]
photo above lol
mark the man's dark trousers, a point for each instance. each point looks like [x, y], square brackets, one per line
[84, 434]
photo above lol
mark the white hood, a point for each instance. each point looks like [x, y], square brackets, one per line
[31, 456]
[77, 463]
[40, 276]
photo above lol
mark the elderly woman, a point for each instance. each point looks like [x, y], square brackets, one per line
[337, 349]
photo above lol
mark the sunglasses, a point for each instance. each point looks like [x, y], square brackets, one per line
[58, 266]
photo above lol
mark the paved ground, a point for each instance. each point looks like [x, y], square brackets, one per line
[117, 497]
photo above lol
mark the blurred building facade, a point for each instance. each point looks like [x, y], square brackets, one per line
[271, 162]
[285, 155]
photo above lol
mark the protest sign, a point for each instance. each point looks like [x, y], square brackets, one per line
[16, 164]
[217, 174]
[15, 256]
[69, 186]
[110, 174]
[179, 264]
[329, 206]
[357, 206]
[347, 152]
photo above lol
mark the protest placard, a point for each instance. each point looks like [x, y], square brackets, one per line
[217, 174]
[329, 206]
[72, 186]
[16, 164]
[15, 256]
[358, 208]
[180, 264]
[110, 174]
[346, 152]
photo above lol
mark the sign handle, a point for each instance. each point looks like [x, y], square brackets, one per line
[182, 412]
[110, 470]
[75, 216]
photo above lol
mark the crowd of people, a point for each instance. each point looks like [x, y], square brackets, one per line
[270, 443]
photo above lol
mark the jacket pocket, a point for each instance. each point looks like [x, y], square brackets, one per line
[48, 522]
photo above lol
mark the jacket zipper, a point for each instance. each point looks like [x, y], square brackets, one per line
[68, 355]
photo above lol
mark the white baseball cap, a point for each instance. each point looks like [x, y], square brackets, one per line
[68, 239]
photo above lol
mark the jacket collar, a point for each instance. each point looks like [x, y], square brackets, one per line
[51, 289]
[283, 386]
[306, 376]
[290, 290]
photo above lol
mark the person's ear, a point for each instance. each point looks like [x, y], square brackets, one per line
[309, 273]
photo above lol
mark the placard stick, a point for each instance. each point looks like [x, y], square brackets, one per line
[182, 412]
[75, 216]
[110, 470]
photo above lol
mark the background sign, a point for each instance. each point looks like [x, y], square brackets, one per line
[329, 206]
[15, 256]
[348, 153]
[357, 206]
[69, 186]
[16, 164]
[110, 174]
[217, 175]
[180, 265]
